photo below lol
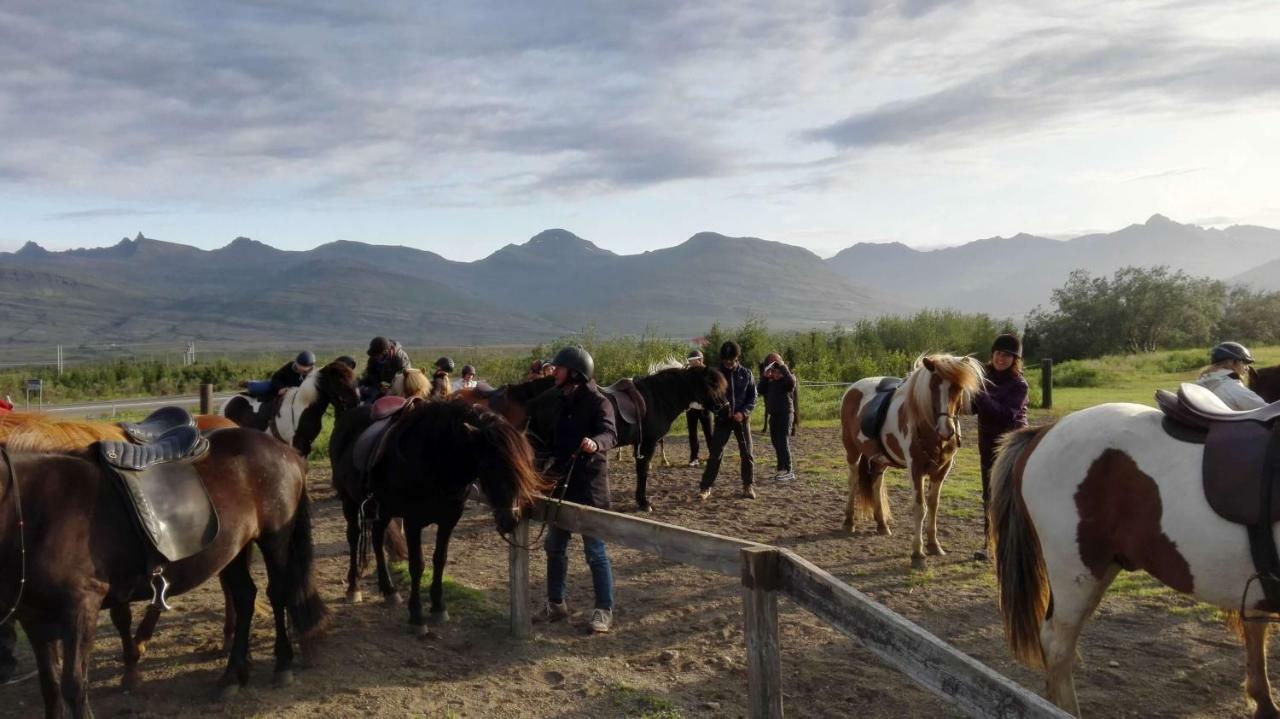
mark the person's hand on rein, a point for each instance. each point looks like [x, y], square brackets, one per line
[588, 445]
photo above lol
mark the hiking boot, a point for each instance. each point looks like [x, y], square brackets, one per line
[552, 612]
[704, 494]
[749, 492]
[601, 621]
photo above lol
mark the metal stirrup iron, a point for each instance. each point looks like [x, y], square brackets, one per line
[159, 588]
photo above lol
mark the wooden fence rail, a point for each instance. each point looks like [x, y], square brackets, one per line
[766, 572]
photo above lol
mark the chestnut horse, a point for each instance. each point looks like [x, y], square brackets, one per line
[431, 454]
[920, 435]
[1105, 489]
[69, 548]
[298, 414]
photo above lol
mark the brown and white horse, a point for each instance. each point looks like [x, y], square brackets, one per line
[300, 410]
[920, 435]
[1106, 489]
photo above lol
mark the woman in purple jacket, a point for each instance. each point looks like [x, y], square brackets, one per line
[1001, 407]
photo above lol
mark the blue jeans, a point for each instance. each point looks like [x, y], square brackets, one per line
[556, 542]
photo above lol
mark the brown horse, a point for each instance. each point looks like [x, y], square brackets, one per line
[68, 542]
[1265, 382]
[510, 400]
[431, 454]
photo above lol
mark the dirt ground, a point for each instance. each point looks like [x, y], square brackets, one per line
[677, 647]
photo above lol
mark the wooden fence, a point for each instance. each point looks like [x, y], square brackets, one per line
[767, 572]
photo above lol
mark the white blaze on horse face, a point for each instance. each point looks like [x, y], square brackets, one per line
[942, 410]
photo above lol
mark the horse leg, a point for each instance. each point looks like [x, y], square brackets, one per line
[351, 512]
[413, 534]
[935, 490]
[275, 555]
[122, 618]
[385, 585]
[1075, 597]
[642, 478]
[44, 644]
[77, 645]
[919, 513]
[244, 594]
[1256, 684]
[662, 444]
[882, 513]
[440, 557]
[853, 460]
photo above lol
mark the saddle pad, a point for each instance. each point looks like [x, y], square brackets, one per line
[384, 407]
[172, 508]
[1235, 455]
[179, 443]
[157, 423]
[877, 410]
[367, 449]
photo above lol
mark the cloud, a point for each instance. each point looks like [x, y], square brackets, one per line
[98, 212]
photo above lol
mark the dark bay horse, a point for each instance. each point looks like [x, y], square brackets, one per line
[296, 417]
[667, 394]
[430, 455]
[66, 531]
[1266, 382]
[510, 400]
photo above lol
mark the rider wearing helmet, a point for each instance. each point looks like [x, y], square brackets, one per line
[733, 420]
[582, 436]
[468, 380]
[386, 360]
[1229, 363]
[292, 373]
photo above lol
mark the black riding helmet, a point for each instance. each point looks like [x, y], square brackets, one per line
[468, 369]
[378, 345]
[347, 360]
[305, 359]
[1230, 351]
[576, 359]
[444, 364]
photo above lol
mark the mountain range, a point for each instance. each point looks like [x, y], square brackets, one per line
[144, 289]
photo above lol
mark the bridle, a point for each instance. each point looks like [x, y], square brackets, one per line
[22, 539]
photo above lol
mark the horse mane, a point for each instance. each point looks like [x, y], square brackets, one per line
[509, 446]
[966, 373]
[309, 390]
[415, 383]
[36, 432]
[668, 362]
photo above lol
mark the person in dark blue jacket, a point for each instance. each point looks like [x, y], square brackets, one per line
[584, 433]
[734, 419]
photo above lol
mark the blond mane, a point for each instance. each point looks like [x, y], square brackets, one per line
[966, 373]
[669, 362]
[36, 432]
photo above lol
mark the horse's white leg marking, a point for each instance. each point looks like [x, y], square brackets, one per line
[1256, 684]
[851, 505]
[918, 515]
[935, 490]
[1073, 603]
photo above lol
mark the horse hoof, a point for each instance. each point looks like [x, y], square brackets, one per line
[392, 598]
[419, 630]
[935, 550]
[884, 531]
[131, 680]
[355, 597]
[283, 678]
[435, 619]
[645, 508]
[917, 561]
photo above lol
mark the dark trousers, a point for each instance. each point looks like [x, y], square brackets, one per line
[8, 650]
[697, 418]
[719, 439]
[987, 458]
[780, 434]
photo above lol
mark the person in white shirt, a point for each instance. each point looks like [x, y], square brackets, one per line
[1229, 363]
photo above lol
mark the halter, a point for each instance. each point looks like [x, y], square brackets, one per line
[22, 540]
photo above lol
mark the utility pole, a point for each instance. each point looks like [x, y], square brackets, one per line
[59, 360]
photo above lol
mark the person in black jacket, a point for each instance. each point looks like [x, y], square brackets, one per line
[733, 419]
[697, 416]
[777, 386]
[386, 360]
[584, 433]
[293, 373]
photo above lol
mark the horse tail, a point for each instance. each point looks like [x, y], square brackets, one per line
[394, 543]
[306, 609]
[867, 498]
[1025, 595]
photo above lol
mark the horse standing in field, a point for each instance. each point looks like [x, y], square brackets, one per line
[295, 417]
[913, 425]
[420, 466]
[1120, 486]
[70, 547]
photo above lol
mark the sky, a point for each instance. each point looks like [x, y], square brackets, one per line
[462, 127]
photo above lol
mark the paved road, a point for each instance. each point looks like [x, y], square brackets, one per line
[111, 407]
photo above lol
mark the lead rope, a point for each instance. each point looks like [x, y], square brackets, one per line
[557, 497]
[22, 540]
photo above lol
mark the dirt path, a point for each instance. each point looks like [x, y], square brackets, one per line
[677, 649]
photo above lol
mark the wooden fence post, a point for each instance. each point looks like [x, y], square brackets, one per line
[518, 579]
[206, 398]
[1046, 383]
[760, 583]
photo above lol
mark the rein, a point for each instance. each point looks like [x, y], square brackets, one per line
[22, 540]
[562, 488]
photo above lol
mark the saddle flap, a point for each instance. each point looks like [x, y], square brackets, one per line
[178, 444]
[387, 406]
[628, 402]
[1235, 466]
[157, 423]
[172, 508]
[367, 449]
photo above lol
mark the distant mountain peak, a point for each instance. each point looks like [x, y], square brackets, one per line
[1159, 220]
[560, 241]
[31, 249]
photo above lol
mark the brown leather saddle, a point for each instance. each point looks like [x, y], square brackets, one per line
[169, 504]
[371, 444]
[629, 406]
[1241, 467]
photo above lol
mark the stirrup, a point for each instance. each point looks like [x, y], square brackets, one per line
[159, 588]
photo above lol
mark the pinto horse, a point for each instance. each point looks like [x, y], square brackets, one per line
[295, 418]
[69, 548]
[1105, 489]
[921, 433]
[667, 394]
[430, 455]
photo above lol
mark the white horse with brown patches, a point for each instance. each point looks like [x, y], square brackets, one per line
[920, 435]
[1105, 489]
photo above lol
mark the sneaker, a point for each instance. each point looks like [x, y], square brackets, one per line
[749, 492]
[552, 612]
[601, 620]
[693, 463]
[704, 494]
[786, 476]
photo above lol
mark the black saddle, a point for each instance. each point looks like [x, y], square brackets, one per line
[169, 501]
[877, 410]
[628, 401]
[157, 423]
[1241, 467]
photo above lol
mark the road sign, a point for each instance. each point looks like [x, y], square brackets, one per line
[34, 385]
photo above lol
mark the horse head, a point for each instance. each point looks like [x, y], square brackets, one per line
[942, 388]
[710, 388]
[336, 383]
[505, 465]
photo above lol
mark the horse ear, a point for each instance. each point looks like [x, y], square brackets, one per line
[928, 363]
